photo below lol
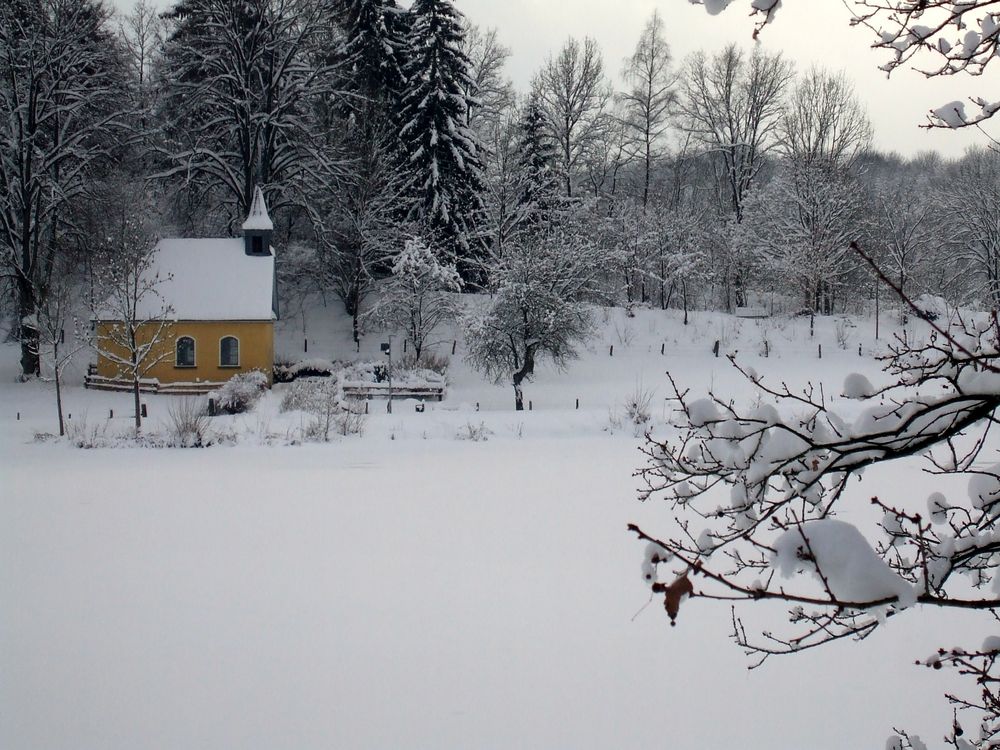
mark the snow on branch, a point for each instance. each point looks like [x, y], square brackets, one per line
[935, 37]
[756, 494]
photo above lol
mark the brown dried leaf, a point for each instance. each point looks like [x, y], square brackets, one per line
[673, 594]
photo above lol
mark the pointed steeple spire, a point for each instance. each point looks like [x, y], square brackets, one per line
[258, 219]
[257, 229]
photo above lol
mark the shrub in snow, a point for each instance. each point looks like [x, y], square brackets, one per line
[932, 307]
[477, 433]
[83, 434]
[638, 406]
[188, 424]
[306, 368]
[330, 412]
[241, 392]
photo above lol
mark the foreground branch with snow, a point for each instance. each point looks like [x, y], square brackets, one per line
[756, 496]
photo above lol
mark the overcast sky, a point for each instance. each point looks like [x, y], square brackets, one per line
[807, 31]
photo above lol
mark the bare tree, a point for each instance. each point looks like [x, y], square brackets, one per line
[801, 224]
[363, 224]
[134, 326]
[973, 203]
[905, 227]
[61, 104]
[241, 81]
[488, 90]
[54, 315]
[732, 102]
[649, 96]
[573, 94]
[824, 121]
[506, 211]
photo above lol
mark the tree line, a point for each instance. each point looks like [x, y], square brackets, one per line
[725, 180]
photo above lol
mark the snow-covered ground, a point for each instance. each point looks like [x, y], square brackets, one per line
[409, 589]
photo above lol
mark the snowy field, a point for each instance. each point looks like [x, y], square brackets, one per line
[409, 589]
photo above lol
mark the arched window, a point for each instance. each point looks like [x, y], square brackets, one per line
[185, 352]
[229, 352]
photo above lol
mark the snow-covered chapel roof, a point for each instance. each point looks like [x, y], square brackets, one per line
[211, 279]
[257, 218]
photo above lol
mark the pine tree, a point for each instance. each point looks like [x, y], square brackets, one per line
[536, 156]
[375, 51]
[442, 153]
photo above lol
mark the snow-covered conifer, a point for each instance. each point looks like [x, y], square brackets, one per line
[443, 155]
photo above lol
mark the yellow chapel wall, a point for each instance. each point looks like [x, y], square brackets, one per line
[256, 350]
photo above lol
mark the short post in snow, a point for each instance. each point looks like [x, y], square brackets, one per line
[142, 411]
[662, 347]
[211, 407]
[767, 352]
[578, 403]
[477, 406]
[715, 349]
[111, 413]
[819, 348]
[454, 344]
[387, 350]
[611, 352]
[859, 350]
[305, 345]
[529, 406]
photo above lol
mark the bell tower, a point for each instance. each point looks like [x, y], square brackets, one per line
[258, 228]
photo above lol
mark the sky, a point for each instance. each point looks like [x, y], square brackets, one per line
[809, 32]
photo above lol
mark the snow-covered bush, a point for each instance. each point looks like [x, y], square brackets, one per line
[307, 368]
[241, 392]
[329, 411]
[428, 360]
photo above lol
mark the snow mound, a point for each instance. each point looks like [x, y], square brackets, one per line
[854, 572]
[857, 386]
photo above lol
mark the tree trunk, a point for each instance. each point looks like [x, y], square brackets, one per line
[138, 411]
[684, 297]
[526, 370]
[28, 334]
[59, 409]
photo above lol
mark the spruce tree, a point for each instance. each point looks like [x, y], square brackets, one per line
[536, 156]
[442, 154]
[375, 51]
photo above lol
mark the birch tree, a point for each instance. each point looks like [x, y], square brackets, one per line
[649, 96]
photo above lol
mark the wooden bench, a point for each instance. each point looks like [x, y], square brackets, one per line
[369, 391]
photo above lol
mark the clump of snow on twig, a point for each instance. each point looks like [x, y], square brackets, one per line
[838, 552]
